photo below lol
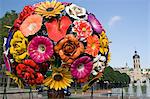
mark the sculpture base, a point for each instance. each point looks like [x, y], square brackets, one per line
[53, 94]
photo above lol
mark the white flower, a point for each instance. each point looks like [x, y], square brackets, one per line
[98, 64]
[76, 12]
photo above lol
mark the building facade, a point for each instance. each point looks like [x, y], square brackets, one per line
[136, 73]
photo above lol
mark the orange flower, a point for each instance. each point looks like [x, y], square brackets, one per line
[31, 25]
[69, 48]
[92, 45]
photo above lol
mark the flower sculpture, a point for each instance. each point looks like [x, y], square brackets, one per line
[42, 47]
[92, 45]
[54, 44]
[69, 48]
[26, 71]
[31, 25]
[60, 79]
[49, 9]
[76, 12]
[82, 28]
[82, 67]
[18, 46]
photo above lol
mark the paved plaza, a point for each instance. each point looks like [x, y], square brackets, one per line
[36, 95]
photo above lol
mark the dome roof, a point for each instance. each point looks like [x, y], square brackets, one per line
[136, 55]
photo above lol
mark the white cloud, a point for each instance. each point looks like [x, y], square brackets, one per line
[114, 20]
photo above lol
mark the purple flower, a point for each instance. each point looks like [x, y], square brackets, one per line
[82, 67]
[95, 23]
[6, 60]
[40, 49]
[10, 34]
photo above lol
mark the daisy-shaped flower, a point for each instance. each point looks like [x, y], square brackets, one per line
[82, 28]
[40, 49]
[104, 43]
[76, 12]
[31, 25]
[60, 79]
[18, 46]
[49, 9]
[92, 45]
[81, 67]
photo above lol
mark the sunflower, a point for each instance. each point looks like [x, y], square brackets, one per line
[60, 79]
[48, 9]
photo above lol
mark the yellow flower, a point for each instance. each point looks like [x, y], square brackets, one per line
[18, 46]
[103, 43]
[60, 79]
[108, 57]
[48, 9]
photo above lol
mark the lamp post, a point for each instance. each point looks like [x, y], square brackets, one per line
[122, 90]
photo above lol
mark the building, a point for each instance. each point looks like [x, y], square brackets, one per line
[136, 73]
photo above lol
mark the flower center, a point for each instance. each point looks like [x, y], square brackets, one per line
[49, 9]
[58, 77]
[77, 10]
[84, 29]
[68, 47]
[41, 48]
[93, 46]
[80, 67]
[32, 26]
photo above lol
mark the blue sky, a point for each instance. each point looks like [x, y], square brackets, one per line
[127, 24]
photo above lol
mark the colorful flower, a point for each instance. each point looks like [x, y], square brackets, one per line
[18, 46]
[57, 29]
[99, 64]
[60, 79]
[31, 25]
[27, 11]
[81, 67]
[49, 9]
[40, 49]
[76, 12]
[82, 28]
[28, 71]
[104, 43]
[69, 48]
[95, 23]
[92, 45]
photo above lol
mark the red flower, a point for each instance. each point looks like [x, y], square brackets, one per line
[29, 72]
[27, 11]
[57, 29]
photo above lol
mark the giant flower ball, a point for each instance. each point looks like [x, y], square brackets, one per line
[55, 44]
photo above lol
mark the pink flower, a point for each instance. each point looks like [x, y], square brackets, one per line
[96, 25]
[40, 49]
[82, 67]
[82, 28]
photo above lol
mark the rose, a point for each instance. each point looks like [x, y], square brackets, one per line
[69, 48]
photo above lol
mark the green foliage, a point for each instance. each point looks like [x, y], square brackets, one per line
[7, 20]
[115, 77]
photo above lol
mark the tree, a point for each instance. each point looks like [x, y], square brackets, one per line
[115, 78]
[6, 20]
